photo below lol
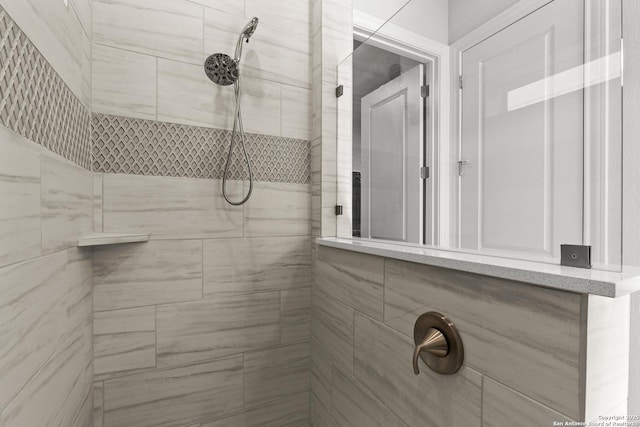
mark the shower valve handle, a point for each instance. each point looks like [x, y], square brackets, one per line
[435, 343]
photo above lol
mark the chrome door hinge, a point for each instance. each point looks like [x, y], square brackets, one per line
[461, 165]
[338, 210]
[339, 91]
[424, 172]
[460, 81]
[424, 91]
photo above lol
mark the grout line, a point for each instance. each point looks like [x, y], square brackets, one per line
[244, 389]
[155, 328]
[481, 400]
[204, 32]
[280, 317]
[281, 111]
[157, 85]
[384, 289]
[102, 202]
[246, 293]
[202, 267]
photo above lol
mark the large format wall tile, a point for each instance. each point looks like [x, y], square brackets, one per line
[352, 278]
[146, 274]
[321, 374]
[383, 365]
[31, 319]
[260, 101]
[540, 327]
[278, 209]
[77, 278]
[57, 393]
[97, 202]
[175, 397]
[172, 29]
[228, 6]
[169, 207]
[124, 83]
[289, 15]
[332, 327]
[124, 341]
[222, 29]
[45, 310]
[67, 203]
[256, 264]
[296, 112]
[20, 195]
[273, 374]
[352, 405]
[502, 406]
[83, 11]
[295, 315]
[98, 407]
[84, 416]
[223, 325]
[320, 416]
[186, 95]
[289, 412]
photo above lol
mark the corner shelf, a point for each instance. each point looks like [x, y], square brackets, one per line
[101, 239]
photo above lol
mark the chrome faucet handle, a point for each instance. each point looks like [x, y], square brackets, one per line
[434, 343]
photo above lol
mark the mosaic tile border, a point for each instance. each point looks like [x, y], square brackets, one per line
[34, 100]
[146, 147]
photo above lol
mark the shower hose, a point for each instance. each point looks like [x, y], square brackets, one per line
[239, 131]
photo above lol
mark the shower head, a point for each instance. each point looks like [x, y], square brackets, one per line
[246, 34]
[249, 29]
[222, 69]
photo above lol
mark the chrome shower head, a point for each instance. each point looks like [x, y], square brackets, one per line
[250, 28]
[246, 34]
[221, 69]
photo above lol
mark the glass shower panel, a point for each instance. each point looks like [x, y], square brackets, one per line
[514, 153]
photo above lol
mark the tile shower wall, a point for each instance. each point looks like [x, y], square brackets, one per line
[524, 354]
[46, 362]
[208, 323]
[147, 147]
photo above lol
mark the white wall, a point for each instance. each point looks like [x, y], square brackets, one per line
[427, 18]
[467, 15]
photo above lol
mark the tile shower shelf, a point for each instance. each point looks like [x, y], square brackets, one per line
[583, 281]
[100, 239]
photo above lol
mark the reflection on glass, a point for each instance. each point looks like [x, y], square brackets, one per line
[534, 157]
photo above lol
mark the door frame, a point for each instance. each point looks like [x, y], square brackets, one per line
[396, 39]
[413, 187]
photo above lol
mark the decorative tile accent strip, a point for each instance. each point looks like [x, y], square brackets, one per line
[146, 147]
[35, 102]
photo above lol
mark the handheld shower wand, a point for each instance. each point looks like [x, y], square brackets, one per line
[223, 70]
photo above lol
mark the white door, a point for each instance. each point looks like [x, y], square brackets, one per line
[392, 154]
[522, 135]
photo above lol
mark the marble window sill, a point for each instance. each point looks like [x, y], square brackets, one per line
[583, 281]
